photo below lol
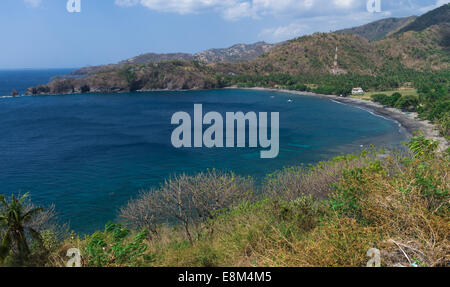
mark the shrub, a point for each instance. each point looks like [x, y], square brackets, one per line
[408, 102]
[85, 89]
[422, 147]
[394, 98]
[444, 124]
[187, 200]
[386, 100]
[292, 183]
[114, 247]
[351, 190]
[381, 98]
[303, 214]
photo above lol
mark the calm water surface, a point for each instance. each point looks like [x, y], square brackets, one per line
[89, 154]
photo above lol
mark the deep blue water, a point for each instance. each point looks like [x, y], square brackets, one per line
[23, 79]
[89, 154]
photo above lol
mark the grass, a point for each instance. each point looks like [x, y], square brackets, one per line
[404, 91]
[330, 214]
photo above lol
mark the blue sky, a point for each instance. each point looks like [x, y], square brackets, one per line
[42, 34]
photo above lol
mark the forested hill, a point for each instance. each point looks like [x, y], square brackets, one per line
[426, 50]
[434, 17]
[379, 29]
[235, 53]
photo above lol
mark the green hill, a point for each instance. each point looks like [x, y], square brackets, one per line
[434, 17]
[379, 29]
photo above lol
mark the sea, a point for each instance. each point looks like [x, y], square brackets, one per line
[89, 154]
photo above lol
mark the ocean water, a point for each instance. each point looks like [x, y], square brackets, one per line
[89, 154]
[20, 80]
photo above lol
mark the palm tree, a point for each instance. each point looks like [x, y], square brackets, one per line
[14, 219]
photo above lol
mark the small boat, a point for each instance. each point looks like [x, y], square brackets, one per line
[290, 101]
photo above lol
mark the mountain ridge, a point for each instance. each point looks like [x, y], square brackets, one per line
[431, 18]
[312, 55]
[235, 53]
[379, 29]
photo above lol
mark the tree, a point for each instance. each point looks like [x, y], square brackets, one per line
[85, 89]
[381, 98]
[189, 200]
[14, 217]
[408, 102]
[394, 98]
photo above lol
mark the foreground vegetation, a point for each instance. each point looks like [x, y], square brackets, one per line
[330, 214]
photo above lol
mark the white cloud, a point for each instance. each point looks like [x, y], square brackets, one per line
[237, 9]
[284, 32]
[344, 3]
[442, 2]
[309, 25]
[241, 10]
[126, 3]
[439, 3]
[186, 6]
[33, 3]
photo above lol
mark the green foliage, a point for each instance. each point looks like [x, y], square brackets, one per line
[351, 190]
[130, 77]
[371, 201]
[303, 214]
[422, 147]
[385, 100]
[388, 79]
[407, 102]
[113, 247]
[394, 99]
[429, 181]
[345, 200]
[434, 98]
[14, 218]
[381, 98]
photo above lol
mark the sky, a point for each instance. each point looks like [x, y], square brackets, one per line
[43, 34]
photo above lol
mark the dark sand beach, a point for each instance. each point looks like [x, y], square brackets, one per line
[408, 120]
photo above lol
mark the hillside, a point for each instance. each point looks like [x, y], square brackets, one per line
[327, 215]
[235, 53]
[309, 55]
[426, 50]
[435, 17]
[313, 55]
[379, 29]
[412, 51]
[168, 75]
[156, 58]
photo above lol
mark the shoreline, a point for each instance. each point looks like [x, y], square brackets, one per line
[408, 120]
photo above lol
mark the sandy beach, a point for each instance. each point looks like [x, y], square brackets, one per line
[409, 121]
